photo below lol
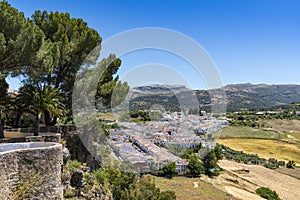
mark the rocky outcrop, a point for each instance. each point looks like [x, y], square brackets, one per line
[79, 152]
[81, 184]
[77, 179]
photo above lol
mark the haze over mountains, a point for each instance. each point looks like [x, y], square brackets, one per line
[238, 96]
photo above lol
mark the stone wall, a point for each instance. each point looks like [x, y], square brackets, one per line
[61, 128]
[35, 166]
[43, 137]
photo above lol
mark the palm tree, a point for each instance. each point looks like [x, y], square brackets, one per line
[40, 99]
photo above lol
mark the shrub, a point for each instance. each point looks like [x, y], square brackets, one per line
[29, 186]
[70, 192]
[73, 165]
[267, 193]
[167, 195]
[291, 164]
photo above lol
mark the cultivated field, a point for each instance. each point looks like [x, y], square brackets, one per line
[265, 148]
[286, 186]
[184, 189]
[292, 172]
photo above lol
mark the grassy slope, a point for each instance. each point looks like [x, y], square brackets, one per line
[283, 125]
[247, 132]
[184, 189]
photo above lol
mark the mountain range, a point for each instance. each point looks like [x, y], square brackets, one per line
[235, 96]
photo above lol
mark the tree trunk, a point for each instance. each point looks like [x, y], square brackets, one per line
[17, 118]
[1, 127]
[36, 129]
[48, 121]
[47, 118]
[54, 121]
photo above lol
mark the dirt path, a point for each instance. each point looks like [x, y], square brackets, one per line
[241, 194]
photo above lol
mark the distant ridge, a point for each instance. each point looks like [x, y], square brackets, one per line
[238, 96]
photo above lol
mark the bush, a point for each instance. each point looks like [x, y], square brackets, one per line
[70, 192]
[167, 195]
[267, 193]
[169, 169]
[291, 164]
[73, 165]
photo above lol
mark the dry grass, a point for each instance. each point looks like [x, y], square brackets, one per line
[107, 116]
[283, 125]
[292, 172]
[265, 148]
[184, 189]
[286, 186]
[14, 135]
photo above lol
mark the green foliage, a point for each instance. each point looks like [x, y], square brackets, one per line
[73, 165]
[140, 115]
[176, 150]
[210, 161]
[167, 195]
[291, 164]
[195, 167]
[146, 189]
[240, 156]
[187, 154]
[170, 103]
[3, 101]
[68, 42]
[40, 99]
[251, 119]
[169, 169]
[75, 40]
[267, 193]
[106, 126]
[20, 39]
[218, 152]
[104, 91]
[70, 192]
[239, 96]
[29, 186]
[125, 185]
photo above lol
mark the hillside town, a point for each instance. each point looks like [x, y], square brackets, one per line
[145, 146]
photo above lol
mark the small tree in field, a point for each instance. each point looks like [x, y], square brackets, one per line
[195, 167]
[291, 164]
[169, 169]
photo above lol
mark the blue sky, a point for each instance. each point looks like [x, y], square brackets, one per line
[255, 41]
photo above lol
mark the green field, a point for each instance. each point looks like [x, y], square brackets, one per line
[246, 132]
[184, 189]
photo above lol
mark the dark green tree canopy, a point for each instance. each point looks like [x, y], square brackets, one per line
[41, 98]
[195, 167]
[74, 39]
[20, 39]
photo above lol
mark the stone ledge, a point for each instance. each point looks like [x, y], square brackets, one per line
[43, 160]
